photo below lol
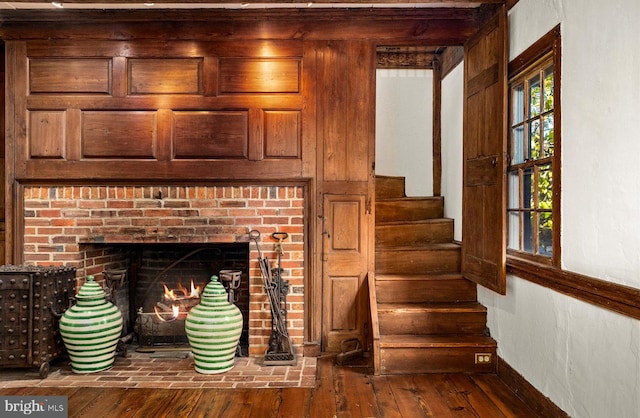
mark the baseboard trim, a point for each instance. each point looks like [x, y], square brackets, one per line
[531, 396]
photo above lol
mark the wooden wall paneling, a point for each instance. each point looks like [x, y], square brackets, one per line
[73, 138]
[347, 75]
[311, 144]
[334, 102]
[119, 79]
[210, 134]
[210, 76]
[17, 132]
[47, 134]
[2, 154]
[159, 101]
[121, 135]
[165, 136]
[360, 74]
[282, 134]
[437, 26]
[256, 134]
[259, 76]
[309, 121]
[178, 170]
[76, 46]
[70, 75]
[15, 93]
[165, 76]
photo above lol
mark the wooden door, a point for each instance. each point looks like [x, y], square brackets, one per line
[345, 265]
[485, 154]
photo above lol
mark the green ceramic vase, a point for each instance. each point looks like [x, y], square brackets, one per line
[90, 330]
[213, 328]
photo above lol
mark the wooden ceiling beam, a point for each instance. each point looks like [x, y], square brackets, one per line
[433, 3]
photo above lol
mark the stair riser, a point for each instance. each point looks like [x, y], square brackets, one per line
[409, 210]
[418, 262]
[415, 234]
[446, 290]
[434, 360]
[389, 187]
[434, 323]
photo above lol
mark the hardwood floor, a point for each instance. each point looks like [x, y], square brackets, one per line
[339, 392]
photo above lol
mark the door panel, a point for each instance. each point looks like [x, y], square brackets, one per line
[485, 153]
[344, 269]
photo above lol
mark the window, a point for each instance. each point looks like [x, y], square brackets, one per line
[534, 169]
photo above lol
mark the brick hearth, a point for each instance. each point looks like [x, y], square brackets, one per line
[170, 371]
[74, 225]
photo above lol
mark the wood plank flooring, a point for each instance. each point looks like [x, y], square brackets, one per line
[339, 392]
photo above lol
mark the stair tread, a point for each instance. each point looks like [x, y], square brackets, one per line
[409, 198]
[417, 277]
[415, 222]
[432, 307]
[421, 247]
[400, 340]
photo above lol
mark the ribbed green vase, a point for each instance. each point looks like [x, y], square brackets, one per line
[213, 328]
[90, 330]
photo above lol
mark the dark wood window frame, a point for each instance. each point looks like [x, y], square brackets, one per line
[615, 297]
[528, 209]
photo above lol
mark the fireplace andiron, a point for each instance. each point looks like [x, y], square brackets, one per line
[280, 352]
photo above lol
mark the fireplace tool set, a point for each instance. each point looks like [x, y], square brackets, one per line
[280, 350]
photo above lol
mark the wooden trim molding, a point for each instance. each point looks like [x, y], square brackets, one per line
[412, 60]
[437, 130]
[449, 59]
[511, 3]
[618, 298]
[532, 397]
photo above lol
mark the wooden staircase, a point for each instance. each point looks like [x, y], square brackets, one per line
[425, 315]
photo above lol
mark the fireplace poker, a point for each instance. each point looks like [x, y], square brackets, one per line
[263, 263]
[280, 351]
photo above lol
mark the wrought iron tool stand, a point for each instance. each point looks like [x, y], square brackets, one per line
[280, 352]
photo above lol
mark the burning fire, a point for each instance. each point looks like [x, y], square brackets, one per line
[178, 298]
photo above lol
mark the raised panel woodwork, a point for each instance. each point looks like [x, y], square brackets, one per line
[210, 134]
[346, 235]
[165, 76]
[282, 134]
[259, 76]
[78, 75]
[484, 153]
[344, 290]
[347, 73]
[344, 269]
[47, 134]
[119, 135]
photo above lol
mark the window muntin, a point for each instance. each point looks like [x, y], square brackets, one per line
[531, 197]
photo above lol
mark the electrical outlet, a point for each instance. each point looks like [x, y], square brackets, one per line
[483, 358]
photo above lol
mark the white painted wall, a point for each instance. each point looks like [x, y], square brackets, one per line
[584, 358]
[404, 128]
[452, 111]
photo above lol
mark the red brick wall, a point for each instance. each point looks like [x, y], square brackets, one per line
[64, 224]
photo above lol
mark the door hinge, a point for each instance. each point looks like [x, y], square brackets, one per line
[367, 206]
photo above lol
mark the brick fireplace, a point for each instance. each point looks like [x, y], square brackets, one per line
[88, 226]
